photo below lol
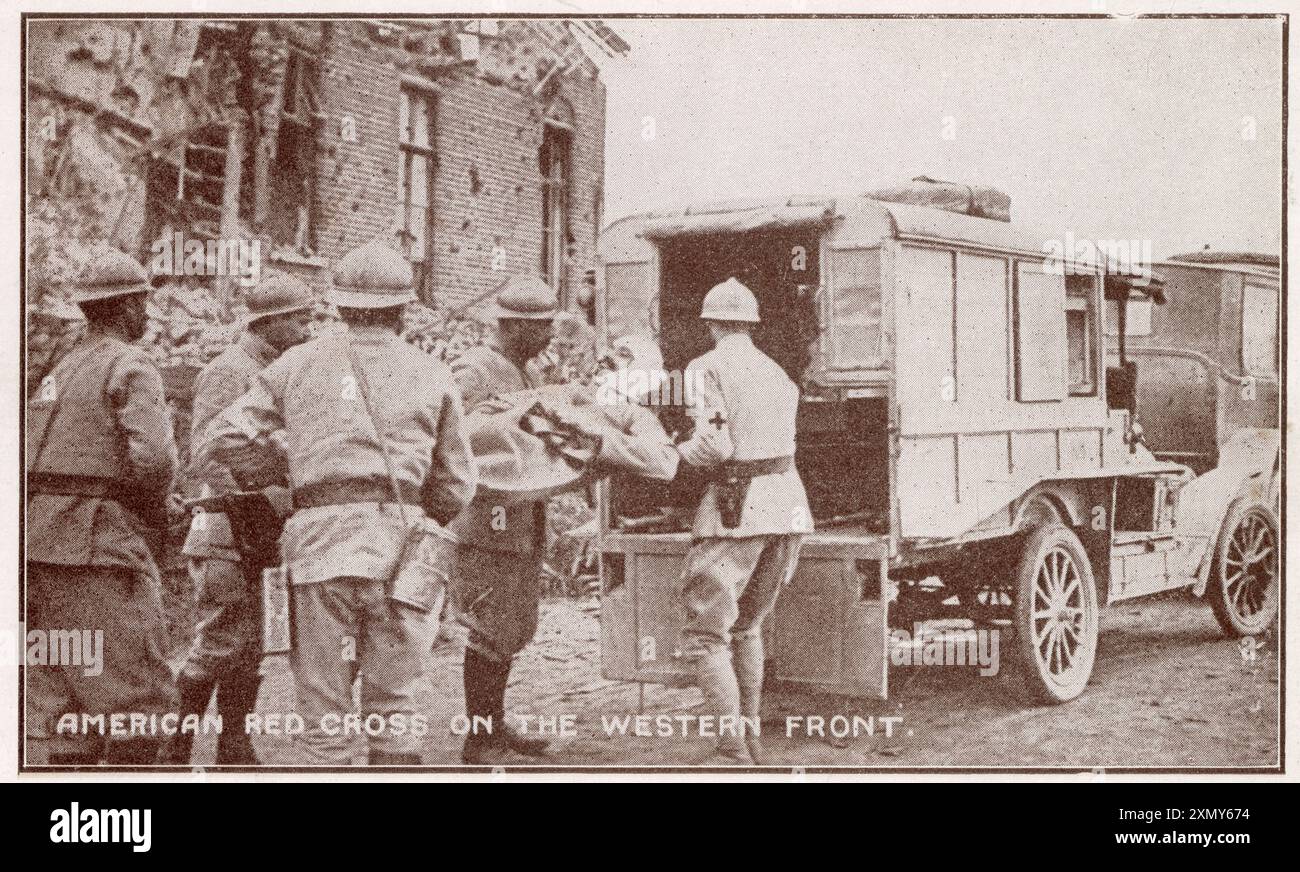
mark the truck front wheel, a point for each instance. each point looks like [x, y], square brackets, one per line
[1243, 589]
[1056, 616]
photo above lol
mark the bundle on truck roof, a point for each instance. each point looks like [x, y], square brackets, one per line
[978, 201]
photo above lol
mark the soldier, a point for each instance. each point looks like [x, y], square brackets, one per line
[324, 405]
[750, 522]
[100, 462]
[501, 591]
[498, 566]
[227, 647]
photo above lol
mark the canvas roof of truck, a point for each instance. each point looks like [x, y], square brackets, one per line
[1259, 271]
[854, 222]
[1247, 258]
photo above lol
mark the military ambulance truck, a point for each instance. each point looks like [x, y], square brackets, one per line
[966, 462]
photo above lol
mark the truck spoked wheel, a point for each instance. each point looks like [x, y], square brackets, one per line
[1243, 588]
[1056, 616]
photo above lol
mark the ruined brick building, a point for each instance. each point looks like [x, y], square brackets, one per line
[475, 146]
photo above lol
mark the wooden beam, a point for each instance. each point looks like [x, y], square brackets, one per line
[230, 203]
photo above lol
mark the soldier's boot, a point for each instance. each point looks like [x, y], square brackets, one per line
[485, 682]
[384, 758]
[136, 751]
[529, 746]
[236, 697]
[717, 680]
[747, 660]
[477, 673]
[195, 694]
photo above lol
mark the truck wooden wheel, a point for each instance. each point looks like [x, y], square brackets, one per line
[1056, 616]
[1243, 589]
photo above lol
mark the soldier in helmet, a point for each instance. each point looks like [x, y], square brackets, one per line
[100, 461]
[499, 563]
[345, 415]
[751, 520]
[227, 646]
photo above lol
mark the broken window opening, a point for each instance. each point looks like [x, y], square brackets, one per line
[301, 102]
[292, 189]
[290, 198]
[184, 186]
[556, 167]
[415, 171]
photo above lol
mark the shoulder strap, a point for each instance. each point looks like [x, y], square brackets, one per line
[363, 385]
[529, 382]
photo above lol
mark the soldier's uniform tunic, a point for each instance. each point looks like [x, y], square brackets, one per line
[636, 444]
[101, 437]
[501, 593]
[745, 411]
[344, 538]
[229, 631]
[499, 561]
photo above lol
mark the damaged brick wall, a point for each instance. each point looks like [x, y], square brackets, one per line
[357, 179]
[487, 192]
[111, 102]
[489, 220]
[123, 115]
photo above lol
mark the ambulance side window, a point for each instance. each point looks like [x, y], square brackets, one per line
[1040, 334]
[1259, 346]
[855, 308]
[1137, 321]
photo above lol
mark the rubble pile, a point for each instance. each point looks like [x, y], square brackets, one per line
[185, 326]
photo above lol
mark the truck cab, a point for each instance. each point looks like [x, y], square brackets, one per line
[1205, 366]
[1208, 357]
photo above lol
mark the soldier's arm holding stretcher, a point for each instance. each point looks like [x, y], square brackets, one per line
[710, 444]
[247, 438]
[629, 437]
[636, 443]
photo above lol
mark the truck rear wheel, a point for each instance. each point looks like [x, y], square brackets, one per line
[1243, 588]
[1056, 616]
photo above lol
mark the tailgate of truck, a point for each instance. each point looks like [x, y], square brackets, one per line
[828, 633]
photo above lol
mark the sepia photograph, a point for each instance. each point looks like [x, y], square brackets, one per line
[650, 392]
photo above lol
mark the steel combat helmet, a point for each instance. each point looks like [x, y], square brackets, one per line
[372, 276]
[526, 297]
[730, 301]
[112, 275]
[278, 295]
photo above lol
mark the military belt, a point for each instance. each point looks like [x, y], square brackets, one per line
[753, 468]
[150, 508]
[732, 481]
[353, 490]
[73, 485]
